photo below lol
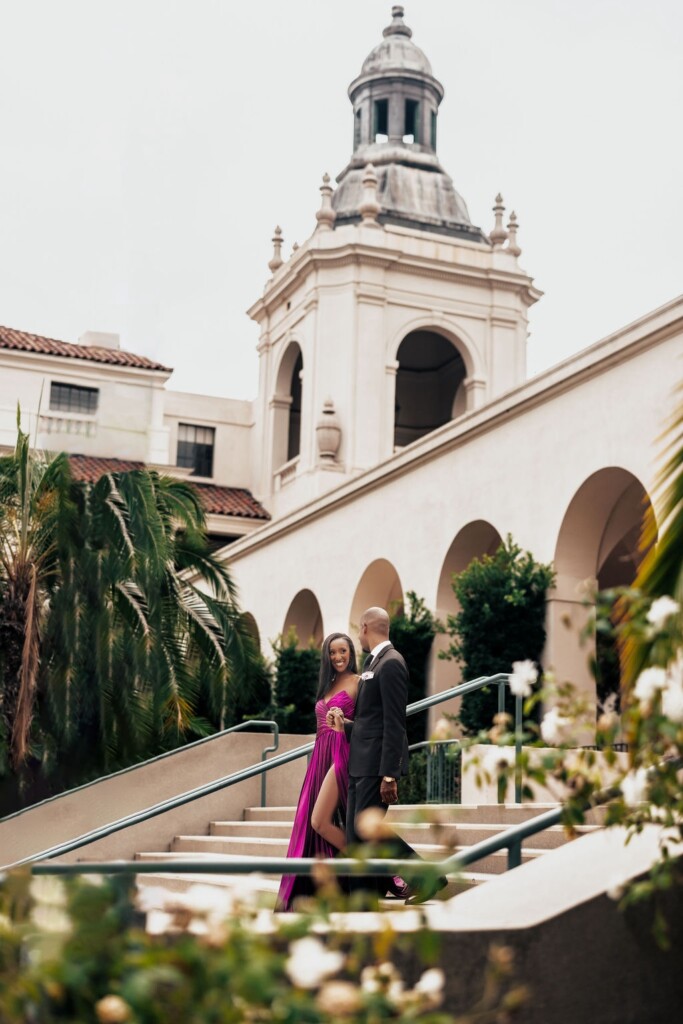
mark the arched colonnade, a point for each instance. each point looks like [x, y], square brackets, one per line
[598, 540]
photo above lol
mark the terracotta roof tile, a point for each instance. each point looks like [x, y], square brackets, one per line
[218, 500]
[21, 341]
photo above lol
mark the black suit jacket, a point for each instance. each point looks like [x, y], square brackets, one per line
[379, 745]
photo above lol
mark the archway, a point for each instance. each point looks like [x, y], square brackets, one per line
[474, 540]
[597, 546]
[378, 586]
[287, 404]
[430, 387]
[305, 617]
[250, 624]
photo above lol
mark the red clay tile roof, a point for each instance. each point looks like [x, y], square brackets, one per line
[218, 500]
[21, 341]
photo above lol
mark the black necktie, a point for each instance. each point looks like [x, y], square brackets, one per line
[366, 663]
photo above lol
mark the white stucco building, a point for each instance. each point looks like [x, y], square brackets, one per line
[395, 435]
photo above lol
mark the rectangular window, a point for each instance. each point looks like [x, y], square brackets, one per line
[433, 129]
[381, 132]
[195, 449]
[73, 398]
[412, 121]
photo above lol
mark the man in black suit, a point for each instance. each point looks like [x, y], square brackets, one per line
[378, 753]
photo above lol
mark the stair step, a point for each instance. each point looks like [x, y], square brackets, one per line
[237, 846]
[489, 814]
[449, 835]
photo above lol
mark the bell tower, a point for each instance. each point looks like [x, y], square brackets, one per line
[398, 315]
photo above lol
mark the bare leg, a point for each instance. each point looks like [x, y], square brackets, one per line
[323, 812]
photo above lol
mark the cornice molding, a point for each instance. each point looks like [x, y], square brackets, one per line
[585, 365]
[383, 257]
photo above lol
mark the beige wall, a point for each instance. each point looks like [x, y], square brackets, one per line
[90, 807]
[515, 464]
[348, 298]
[233, 422]
[128, 422]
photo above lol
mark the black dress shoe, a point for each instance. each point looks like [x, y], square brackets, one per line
[428, 891]
[398, 888]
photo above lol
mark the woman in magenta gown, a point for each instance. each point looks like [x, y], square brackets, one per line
[318, 829]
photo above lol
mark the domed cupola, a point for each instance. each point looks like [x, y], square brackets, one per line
[395, 108]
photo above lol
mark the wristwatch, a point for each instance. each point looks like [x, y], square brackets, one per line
[388, 778]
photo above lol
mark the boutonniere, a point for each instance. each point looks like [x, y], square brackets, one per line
[367, 675]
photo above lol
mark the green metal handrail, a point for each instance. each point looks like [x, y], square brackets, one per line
[441, 787]
[268, 723]
[511, 840]
[103, 831]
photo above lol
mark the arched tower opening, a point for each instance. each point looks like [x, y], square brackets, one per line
[430, 387]
[287, 402]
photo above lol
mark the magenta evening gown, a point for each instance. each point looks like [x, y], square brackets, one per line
[331, 748]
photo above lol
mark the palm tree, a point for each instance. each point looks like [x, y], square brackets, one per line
[34, 499]
[126, 636]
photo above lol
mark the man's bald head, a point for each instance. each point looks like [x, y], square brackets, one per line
[376, 622]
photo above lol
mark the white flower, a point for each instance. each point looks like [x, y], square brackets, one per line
[210, 900]
[661, 610]
[524, 675]
[672, 696]
[51, 918]
[443, 730]
[431, 983]
[112, 1010]
[151, 897]
[310, 962]
[339, 999]
[634, 787]
[381, 978]
[48, 890]
[159, 922]
[555, 728]
[615, 890]
[649, 681]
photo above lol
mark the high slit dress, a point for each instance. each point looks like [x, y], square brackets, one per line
[331, 749]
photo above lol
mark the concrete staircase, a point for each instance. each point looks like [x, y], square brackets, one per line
[435, 831]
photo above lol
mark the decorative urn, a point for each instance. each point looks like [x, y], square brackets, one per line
[328, 433]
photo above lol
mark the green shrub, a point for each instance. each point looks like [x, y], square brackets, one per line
[502, 601]
[412, 634]
[296, 683]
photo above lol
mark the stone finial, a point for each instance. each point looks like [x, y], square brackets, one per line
[398, 26]
[512, 246]
[499, 234]
[328, 433]
[369, 207]
[277, 250]
[295, 246]
[326, 216]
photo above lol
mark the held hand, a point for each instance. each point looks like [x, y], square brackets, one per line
[335, 719]
[388, 792]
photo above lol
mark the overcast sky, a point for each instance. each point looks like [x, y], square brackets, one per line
[150, 146]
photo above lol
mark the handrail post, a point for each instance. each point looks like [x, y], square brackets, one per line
[514, 854]
[518, 750]
[502, 781]
[269, 750]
